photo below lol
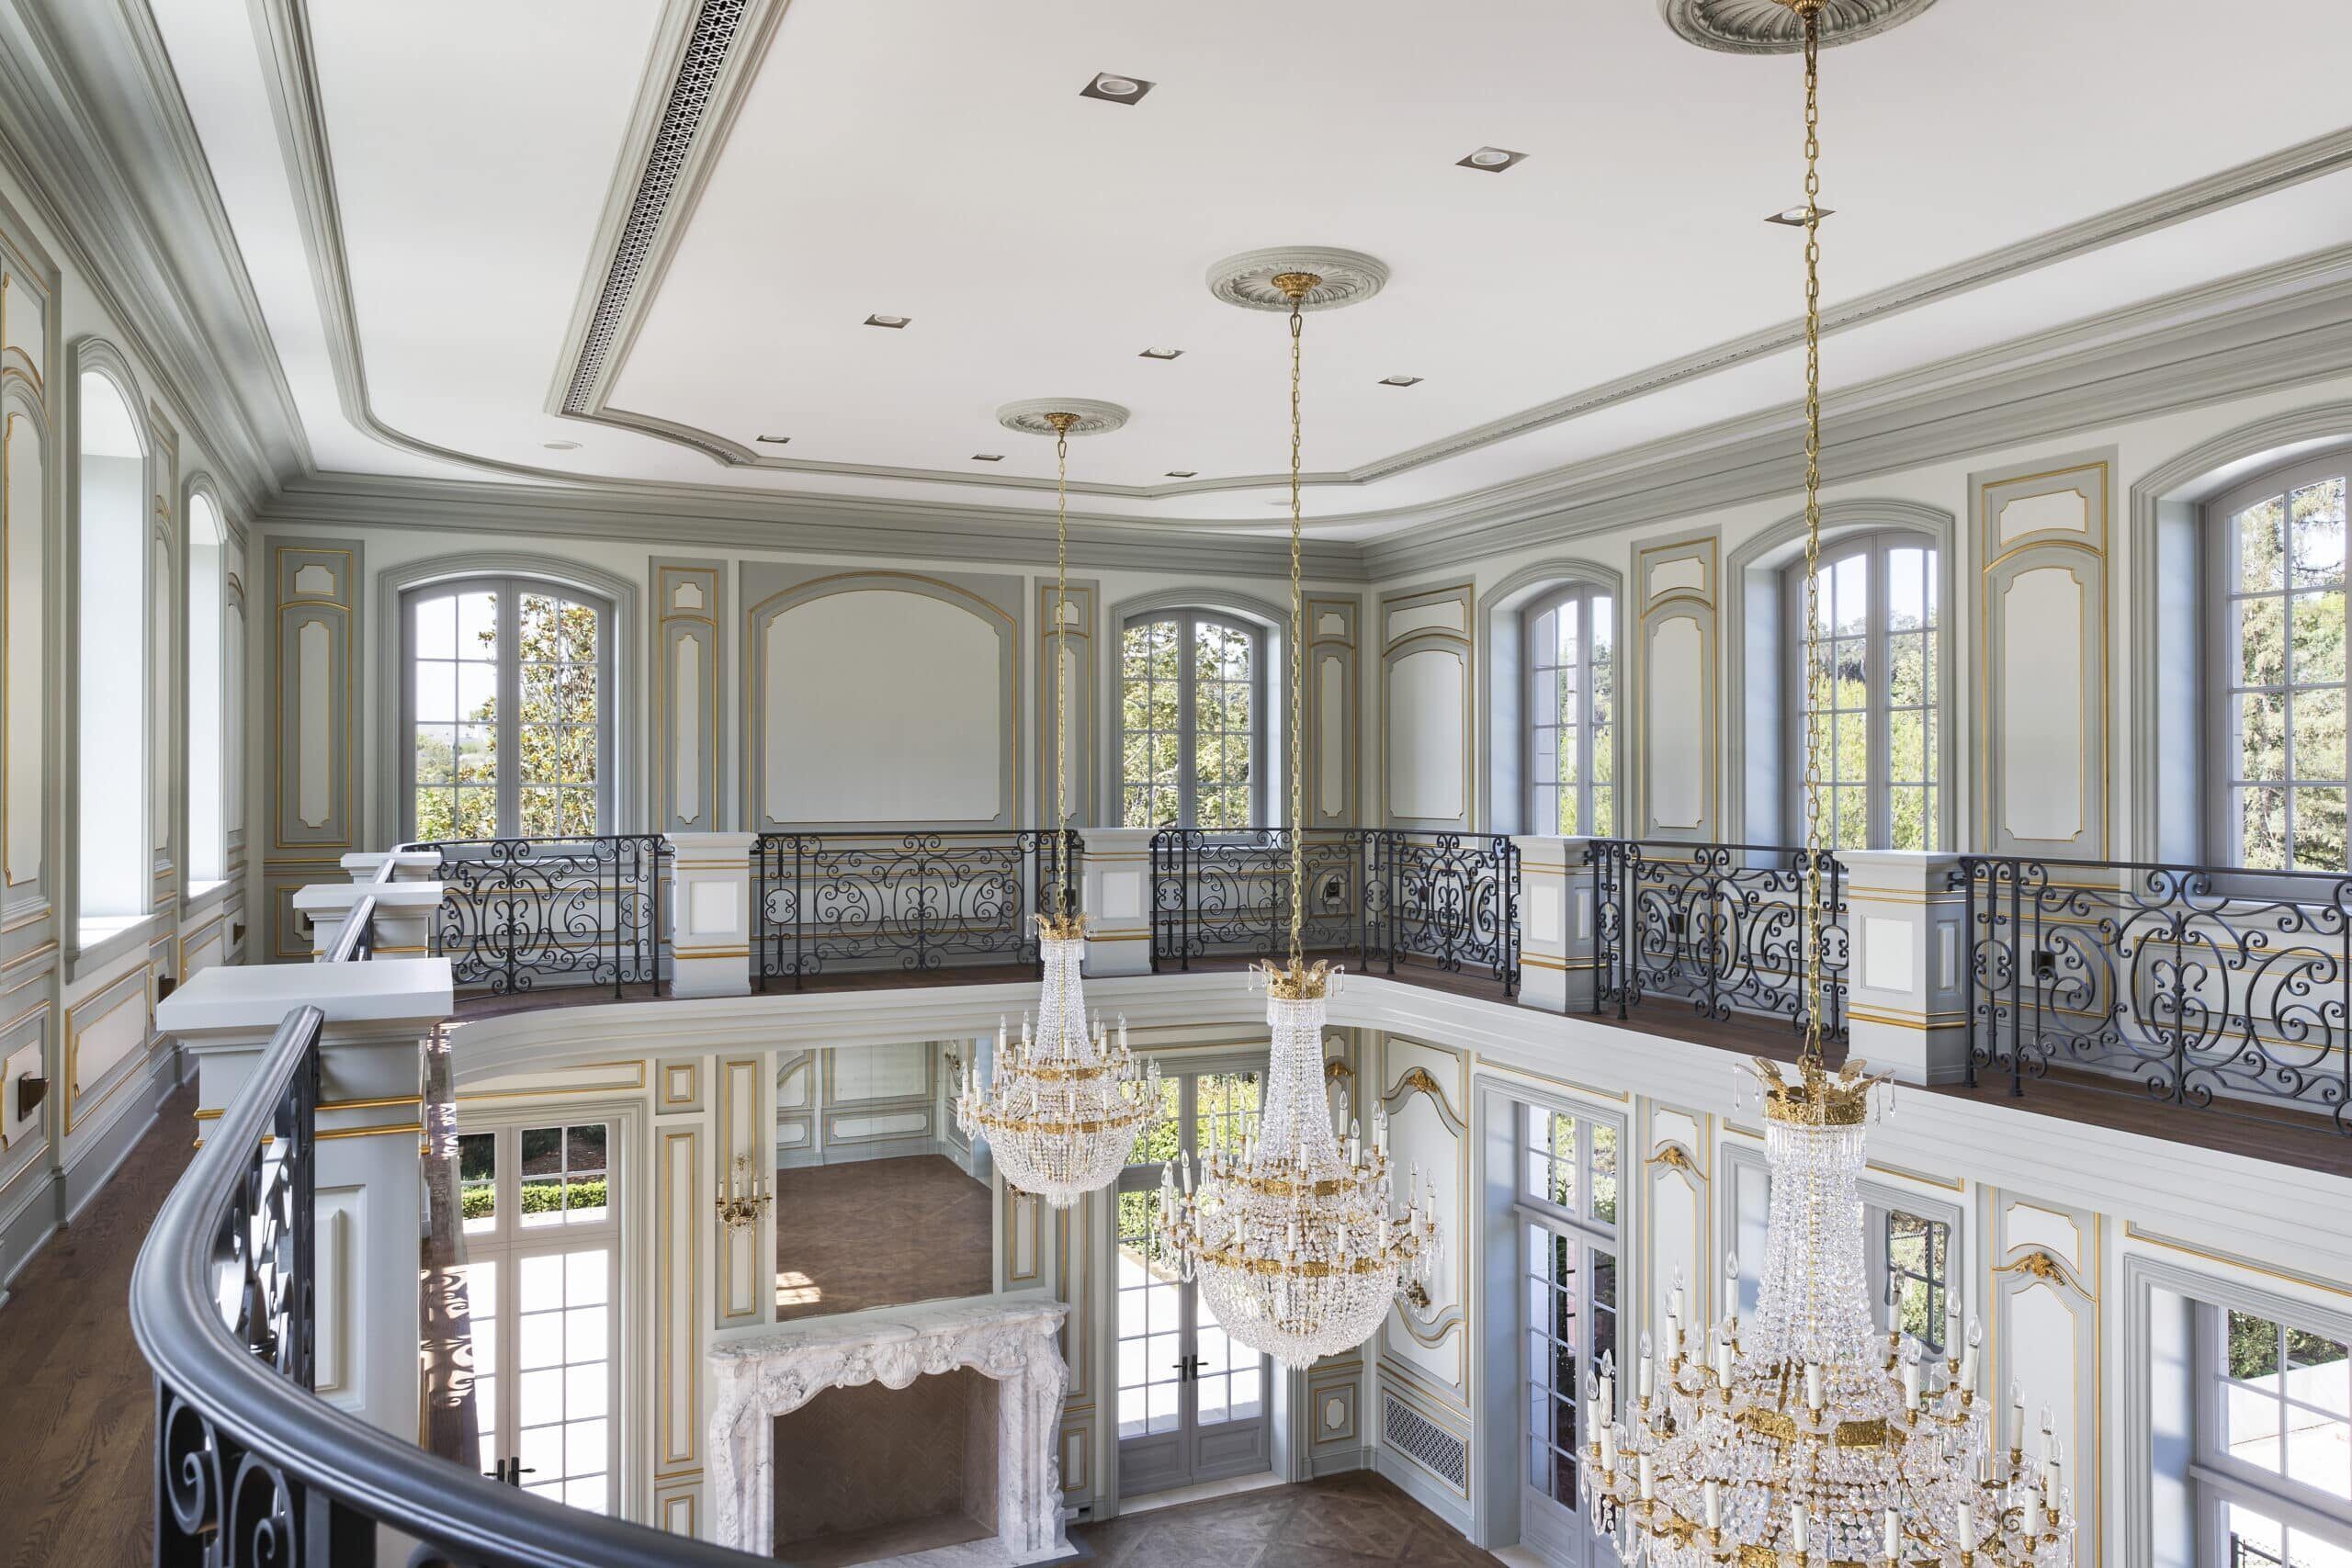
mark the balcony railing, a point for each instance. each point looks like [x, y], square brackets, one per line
[516, 913]
[913, 902]
[2188, 985]
[250, 1466]
[1447, 901]
[1719, 926]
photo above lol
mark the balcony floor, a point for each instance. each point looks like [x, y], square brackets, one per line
[2282, 1137]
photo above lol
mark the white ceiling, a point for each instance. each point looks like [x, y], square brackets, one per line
[933, 158]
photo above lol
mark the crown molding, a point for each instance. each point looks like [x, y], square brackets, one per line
[134, 209]
[847, 526]
[2273, 327]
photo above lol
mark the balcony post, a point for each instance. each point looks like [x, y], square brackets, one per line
[1555, 926]
[1116, 894]
[405, 913]
[369, 1207]
[711, 915]
[411, 865]
[1906, 951]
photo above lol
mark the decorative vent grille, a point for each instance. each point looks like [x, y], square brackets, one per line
[707, 50]
[1425, 1442]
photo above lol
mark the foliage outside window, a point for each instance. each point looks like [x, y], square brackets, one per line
[2283, 674]
[1571, 1164]
[1571, 764]
[1918, 1271]
[508, 729]
[2286, 1403]
[1880, 738]
[1191, 722]
[563, 1175]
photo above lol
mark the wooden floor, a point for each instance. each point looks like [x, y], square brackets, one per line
[1355, 1520]
[77, 1416]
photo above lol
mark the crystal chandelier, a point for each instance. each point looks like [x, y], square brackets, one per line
[1806, 1437]
[1297, 1244]
[1062, 1109]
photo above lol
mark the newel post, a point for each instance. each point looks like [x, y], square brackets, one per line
[1904, 950]
[1116, 894]
[710, 914]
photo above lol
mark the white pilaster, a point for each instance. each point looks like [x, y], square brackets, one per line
[1116, 893]
[710, 923]
[1905, 951]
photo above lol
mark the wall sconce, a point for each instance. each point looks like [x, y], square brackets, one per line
[743, 1196]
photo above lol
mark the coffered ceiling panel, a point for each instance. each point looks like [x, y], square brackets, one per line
[463, 259]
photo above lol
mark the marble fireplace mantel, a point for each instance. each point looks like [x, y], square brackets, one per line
[760, 1374]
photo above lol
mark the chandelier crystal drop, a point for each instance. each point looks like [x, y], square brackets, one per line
[1806, 1439]
[1062, 1109]
[1297, 1244]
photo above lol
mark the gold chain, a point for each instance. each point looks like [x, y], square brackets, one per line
[1815, 681]
[1298, 667]
[1061, 667]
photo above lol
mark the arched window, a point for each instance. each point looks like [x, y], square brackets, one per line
[1191, 721]
[111, 827]
[1568, 758]
[507, 710]
[1881, 745]
[207, 694]
[2276, 713]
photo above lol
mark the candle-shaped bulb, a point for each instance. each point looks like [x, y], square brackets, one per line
[1893, 1535]
[1813, 1389]
[1645, 1474]
[1800, 1526]
[1713, 1497]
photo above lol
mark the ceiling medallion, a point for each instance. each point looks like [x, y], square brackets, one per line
[1342, 277]
[1031, 416]
[1772, 27]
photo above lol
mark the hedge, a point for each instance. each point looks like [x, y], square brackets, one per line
[539, 1197]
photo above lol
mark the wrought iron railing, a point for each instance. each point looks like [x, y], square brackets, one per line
[2243, 1553]
[2188, 985]
[1719, 926]
[250, 1466]
[517, 913]
[1225, 893]
[1388, 895]
[833, 903]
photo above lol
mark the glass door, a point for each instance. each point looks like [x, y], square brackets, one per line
[1567, 1213]
[1192, 1402]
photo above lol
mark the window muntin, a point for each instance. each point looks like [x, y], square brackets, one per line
[1191, 721]
[112, 589]
[208, 697]
[1881, 738]
[2286, 1404]
[508, 723]
[1916, 1253]
[1570, 1164]
[1570, 744]
[1571, 1323]
[2281, 663]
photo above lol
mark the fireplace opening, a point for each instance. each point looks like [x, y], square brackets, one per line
[872, 1472]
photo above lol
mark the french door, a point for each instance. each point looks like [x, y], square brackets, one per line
[542, 1279]
[1192, 1401]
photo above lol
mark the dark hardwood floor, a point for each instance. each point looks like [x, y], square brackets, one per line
[76, 1407]
[1354, 1520]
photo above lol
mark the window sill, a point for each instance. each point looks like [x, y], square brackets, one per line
[99, 941]
[201, 894]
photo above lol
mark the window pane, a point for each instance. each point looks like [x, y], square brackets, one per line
[2315, 513]
[2318, 620]
[2319, 829]
[2318, 719]
[2262, 736]
[2261, 545]
[2261, 817]
[1605, 1176]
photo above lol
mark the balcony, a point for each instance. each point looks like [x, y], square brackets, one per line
[2178, 1003]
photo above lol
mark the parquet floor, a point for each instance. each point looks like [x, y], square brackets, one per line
[76, 1407]
[1356, 1520]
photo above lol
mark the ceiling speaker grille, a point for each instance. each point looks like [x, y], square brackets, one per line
[706, 55]
[1425, 1442]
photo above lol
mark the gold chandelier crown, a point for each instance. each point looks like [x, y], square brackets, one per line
[1064, 927]
[1297, 981]
[1818, 1098]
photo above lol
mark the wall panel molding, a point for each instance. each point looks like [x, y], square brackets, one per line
[689, 694]
[1334, 715]
[2039, 678]
[1675, 671]
[1427, 733]
[314, 727]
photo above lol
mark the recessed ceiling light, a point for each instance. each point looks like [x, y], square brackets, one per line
[987, 456]
[1113, 88]
[1491, 160]
[1400, 380]
[1183, 473]
[561, 446]
[772, 440]
[888, 320]
[1794, 217]
[1161, 354]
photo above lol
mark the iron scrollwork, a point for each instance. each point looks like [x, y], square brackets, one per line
[518, 911]
[2200, 987]
[1225, 891]
[1720, 926]
[916, 901]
